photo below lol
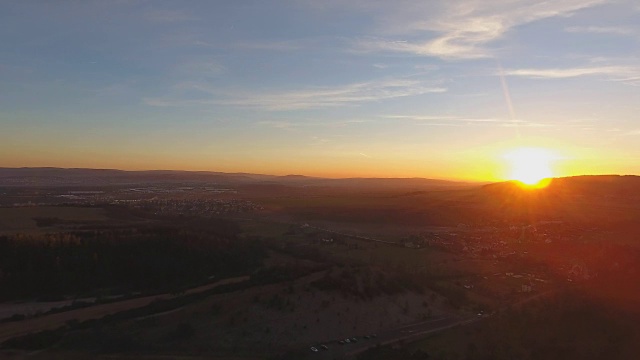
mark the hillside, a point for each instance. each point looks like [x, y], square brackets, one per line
[595, 200]
[102, 177]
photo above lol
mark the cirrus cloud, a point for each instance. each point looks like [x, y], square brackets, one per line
[307, 98]
[461, 29]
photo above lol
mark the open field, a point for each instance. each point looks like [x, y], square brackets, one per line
[55, 321]
[559, 326]
[267, 320]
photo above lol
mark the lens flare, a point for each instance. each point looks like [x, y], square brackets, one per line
[530, 165]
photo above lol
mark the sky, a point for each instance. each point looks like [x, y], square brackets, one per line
[335, 88]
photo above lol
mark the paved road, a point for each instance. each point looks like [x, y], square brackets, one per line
[407, 332]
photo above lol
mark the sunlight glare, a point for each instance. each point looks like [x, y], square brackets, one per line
[530, 165]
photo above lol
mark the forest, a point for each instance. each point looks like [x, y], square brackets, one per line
[121, 260]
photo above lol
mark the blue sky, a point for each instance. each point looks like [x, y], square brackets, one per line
[333, 88]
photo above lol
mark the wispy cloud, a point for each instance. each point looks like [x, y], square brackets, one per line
[279, 124]
[625, 74]
[450, 120]
[197, 40]
[439, 118]
[299, 124]
[334, 96]
[462, 29]
[601, 30]
[419, 117]
[307, 98]
[448, 46]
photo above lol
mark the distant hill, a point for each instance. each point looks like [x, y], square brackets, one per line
[389, 183]
[104, 177]
[624, 187]
[593, 199]
[99, 177]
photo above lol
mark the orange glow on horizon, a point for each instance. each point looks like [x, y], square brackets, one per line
[528, 161]
[541, 184]
[530, 166]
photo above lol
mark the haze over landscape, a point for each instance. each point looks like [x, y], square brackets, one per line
[330, 180]
[332, 88]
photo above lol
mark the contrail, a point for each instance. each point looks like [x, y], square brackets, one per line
[507, 97]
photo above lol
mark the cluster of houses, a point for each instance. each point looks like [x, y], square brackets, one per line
[196, 207]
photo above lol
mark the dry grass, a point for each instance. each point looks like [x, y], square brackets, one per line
[55, 321]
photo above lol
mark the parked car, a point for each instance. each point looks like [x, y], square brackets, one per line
[314, 349]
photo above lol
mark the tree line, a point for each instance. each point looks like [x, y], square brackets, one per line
[110, 261]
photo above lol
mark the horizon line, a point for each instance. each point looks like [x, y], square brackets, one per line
[292, 174]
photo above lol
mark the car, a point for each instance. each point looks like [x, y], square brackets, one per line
[341, 342]
[324, 347]
[314, 349]
[353, 339]
[367, 337]
[347, 341]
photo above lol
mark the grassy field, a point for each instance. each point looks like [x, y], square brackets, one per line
[350, 250]
[22, 219]
[398, 208]
[51, 322]
[564, 326]
[259, 320]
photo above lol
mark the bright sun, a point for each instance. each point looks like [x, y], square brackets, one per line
[530, 165]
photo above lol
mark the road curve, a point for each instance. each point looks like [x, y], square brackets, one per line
[54, 321]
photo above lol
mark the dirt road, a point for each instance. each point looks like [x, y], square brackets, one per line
[54, 321]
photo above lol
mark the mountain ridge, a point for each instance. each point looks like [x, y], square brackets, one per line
[53, 176]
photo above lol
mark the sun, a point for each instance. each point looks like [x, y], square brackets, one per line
[530, 165]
